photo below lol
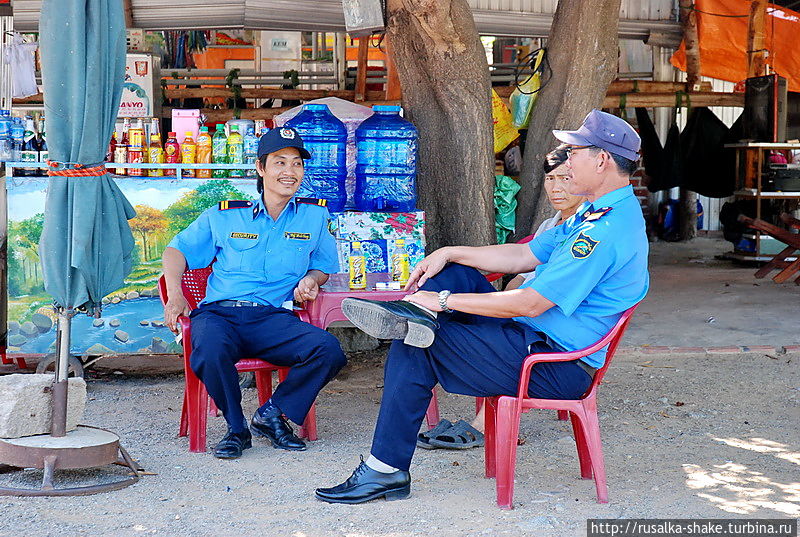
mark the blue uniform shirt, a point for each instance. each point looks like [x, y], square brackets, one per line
[257, 258]
[594, 267]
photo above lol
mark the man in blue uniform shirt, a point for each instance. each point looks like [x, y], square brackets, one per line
[266, 252]
[459, 332]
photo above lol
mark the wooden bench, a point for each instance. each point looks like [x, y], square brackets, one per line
[792, 240]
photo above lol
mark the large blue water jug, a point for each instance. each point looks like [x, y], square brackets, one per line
[325, 137]
[386, 162]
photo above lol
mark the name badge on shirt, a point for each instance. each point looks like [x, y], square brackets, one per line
[296, 236]
[237, 235]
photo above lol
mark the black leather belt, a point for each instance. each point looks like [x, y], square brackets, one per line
[237, 303]
[586, 367]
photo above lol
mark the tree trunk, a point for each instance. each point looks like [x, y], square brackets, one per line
[687, 209]
[582, 50]
[446, 93]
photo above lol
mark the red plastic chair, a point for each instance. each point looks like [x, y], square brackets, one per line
[194, 414]
[503, 415]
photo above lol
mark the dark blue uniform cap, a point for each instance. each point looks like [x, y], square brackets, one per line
[279, 138]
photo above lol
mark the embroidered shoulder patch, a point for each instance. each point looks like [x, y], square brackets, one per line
[583, 246]
[234, 204]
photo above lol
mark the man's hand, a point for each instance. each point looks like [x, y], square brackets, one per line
[426, 299]
[427, 268]
[175, 306]
[307, 289]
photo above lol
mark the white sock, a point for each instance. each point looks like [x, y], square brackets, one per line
[380, 466]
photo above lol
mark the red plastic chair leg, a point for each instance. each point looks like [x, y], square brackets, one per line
[309, 428]
[584, 458]
[507, 432]
[183, 429]
[479, 402]
[591, 427]
[213, 411]
[563, 415]
[263, 385]
[490, 437]
[432, 414]
[197, 405]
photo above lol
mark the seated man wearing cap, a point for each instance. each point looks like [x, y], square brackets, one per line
[265, 252]
[458, 331]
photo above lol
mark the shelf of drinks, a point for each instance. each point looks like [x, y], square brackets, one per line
[111, 166]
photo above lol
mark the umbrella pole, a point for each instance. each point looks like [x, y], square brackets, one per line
[60, 388]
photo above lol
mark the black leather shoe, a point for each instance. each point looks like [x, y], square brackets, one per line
[233, 444]
[278, 431]
[366, 484]
[397, 319]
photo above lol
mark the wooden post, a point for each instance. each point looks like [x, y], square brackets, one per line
[128, 7]
[361, 70]
[688, 199]
[757, 39]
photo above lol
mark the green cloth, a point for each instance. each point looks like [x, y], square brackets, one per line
[86, 245]
[505, 206]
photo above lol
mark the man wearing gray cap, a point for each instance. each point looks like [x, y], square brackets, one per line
[458, 331]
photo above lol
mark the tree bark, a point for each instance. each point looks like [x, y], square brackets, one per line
[444, 78]
[687, 213]
[582, 49]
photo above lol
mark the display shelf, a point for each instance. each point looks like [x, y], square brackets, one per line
[753, 193]
[179, 167]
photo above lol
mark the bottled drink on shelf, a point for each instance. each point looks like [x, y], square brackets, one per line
[172, 152]
[41, 142]
[112, 148]
[400, 264]
[235, 151]
[30, 151]
[5, 135]
[121, 153]
[204, 152]
[219, 150]
[17, 137]
[357, 265]
[250, 151]
[188, 153]
[136, 156]
[155, 152]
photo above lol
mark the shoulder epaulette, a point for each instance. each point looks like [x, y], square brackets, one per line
[313, 201]
[234, 204]
[590, 216]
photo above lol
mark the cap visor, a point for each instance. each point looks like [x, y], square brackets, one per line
[571, 137]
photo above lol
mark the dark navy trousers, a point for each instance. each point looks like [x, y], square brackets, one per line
[471, 355]
[223, 335]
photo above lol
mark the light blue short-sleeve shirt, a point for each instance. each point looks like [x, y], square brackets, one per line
[594, 267]
[257, 258]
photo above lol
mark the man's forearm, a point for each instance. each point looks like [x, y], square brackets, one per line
[503, 304]
[507, 258]
[174, 265]
[319, 276]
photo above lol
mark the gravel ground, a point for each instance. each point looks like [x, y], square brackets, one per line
[689, 436]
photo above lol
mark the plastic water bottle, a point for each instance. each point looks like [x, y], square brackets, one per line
[386, 162]
[250, 151]
[17, 138]
[325, 137]
[5, 135]
[219, 150]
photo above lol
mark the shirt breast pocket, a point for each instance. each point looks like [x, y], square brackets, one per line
[298, 255]
[243, 254]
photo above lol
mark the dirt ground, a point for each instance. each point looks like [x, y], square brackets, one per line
[688, 436]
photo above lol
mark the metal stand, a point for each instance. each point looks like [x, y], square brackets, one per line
[85, 447]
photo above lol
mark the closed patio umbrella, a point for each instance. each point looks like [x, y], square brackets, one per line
[86, 244]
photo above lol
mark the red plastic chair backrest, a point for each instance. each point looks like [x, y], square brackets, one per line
[193, 284]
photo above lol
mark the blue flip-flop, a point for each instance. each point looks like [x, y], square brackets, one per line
[461, 435]
[424, 439]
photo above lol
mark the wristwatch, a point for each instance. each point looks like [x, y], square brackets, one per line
[443, 295]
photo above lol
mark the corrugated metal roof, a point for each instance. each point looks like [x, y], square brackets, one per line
[492, 17]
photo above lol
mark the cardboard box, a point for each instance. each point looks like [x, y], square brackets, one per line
[377, 233]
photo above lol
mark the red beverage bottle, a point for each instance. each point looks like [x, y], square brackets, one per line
[172, 152]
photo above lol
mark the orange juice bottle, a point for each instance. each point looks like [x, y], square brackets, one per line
[204, 150]
[188, 153]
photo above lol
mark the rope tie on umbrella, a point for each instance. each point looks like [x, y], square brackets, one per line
[74, 169]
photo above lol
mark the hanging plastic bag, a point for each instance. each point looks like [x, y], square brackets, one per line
[505, 206]
[525, 93]
[504, 130]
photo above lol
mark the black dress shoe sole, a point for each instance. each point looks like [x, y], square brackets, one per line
[256, 432]
[389, 495]
[247, 445]
[381, 323]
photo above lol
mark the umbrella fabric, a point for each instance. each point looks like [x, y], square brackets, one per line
[86, 244]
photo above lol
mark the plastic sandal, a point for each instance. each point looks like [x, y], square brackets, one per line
[424, 439]
[462, 435]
